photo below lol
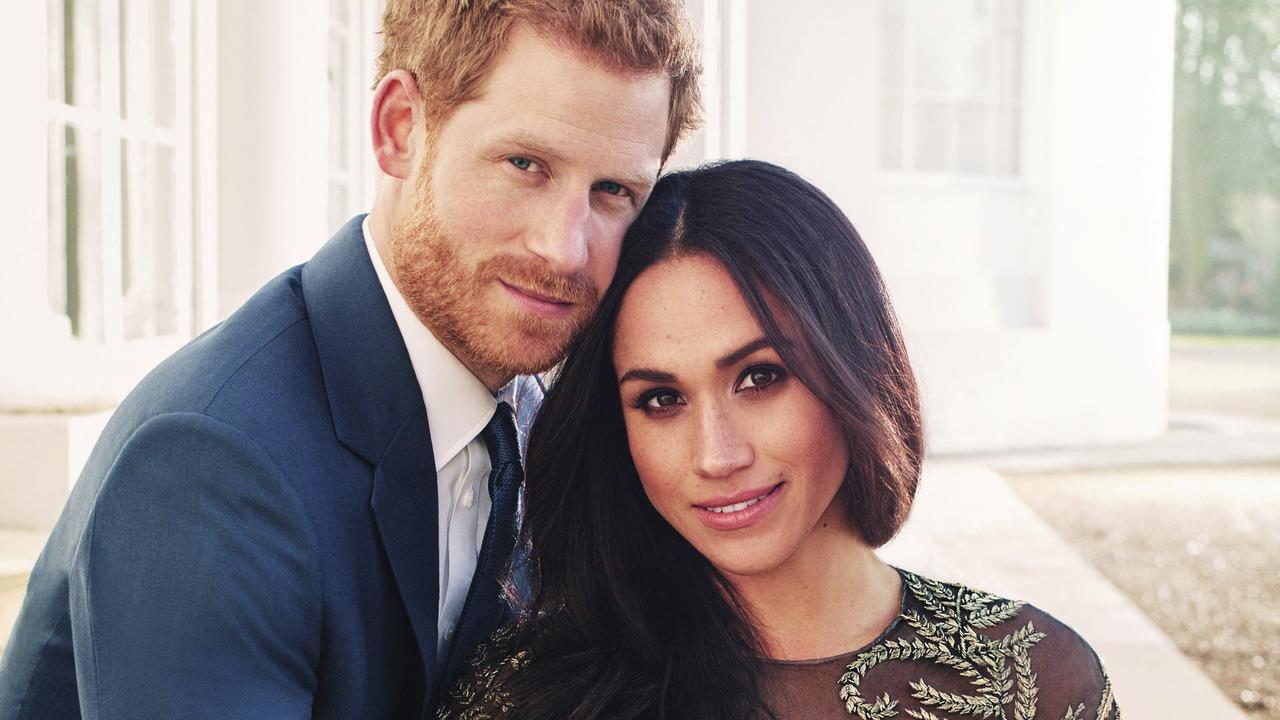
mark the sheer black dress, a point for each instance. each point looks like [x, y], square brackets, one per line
[951, 653]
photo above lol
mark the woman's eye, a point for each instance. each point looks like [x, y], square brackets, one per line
[611, 187]
[525, 164]
[758, 378]
[657, 402]
[663, 399]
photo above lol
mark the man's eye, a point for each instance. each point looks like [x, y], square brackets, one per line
[525, 164]
[611, 187]
[758, 378]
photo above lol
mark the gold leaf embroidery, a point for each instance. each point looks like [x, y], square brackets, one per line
[950, 633]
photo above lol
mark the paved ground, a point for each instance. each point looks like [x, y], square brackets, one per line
[1187, 525]
[1232, 376]
[968, 525]
[1196, 548]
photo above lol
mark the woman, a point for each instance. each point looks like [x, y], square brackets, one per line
[727, 443]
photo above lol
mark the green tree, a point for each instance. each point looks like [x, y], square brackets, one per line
[1225, 233]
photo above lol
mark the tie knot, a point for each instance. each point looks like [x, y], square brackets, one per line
[500, 437]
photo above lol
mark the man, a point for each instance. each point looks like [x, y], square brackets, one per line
[305, 511]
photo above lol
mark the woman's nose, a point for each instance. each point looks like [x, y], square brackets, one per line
[722, 447]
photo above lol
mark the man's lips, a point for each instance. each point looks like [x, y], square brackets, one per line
[538, 303]
[537, 295]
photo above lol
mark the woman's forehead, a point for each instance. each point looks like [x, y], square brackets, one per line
[683, 309]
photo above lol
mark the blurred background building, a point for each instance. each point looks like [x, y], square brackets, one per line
[1009, 162]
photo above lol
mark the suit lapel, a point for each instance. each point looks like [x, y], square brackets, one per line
[401, 509]
[378, 414]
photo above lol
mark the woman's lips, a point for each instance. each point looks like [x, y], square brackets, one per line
[542, 305]
[741, 509]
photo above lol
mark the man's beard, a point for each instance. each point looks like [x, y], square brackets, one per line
[448, 297]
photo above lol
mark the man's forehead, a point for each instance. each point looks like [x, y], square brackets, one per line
[554, 94]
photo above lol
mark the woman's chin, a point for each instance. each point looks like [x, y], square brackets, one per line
[744, 565]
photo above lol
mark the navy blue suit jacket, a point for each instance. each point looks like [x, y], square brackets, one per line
[255, 533]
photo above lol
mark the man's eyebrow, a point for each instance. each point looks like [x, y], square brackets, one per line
[530, 143]
[736, 356]
[657, 376]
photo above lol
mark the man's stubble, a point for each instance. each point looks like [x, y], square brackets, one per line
[446, 295]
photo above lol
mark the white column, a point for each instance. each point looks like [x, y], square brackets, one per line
[1107, 198]
[25, 311]
[272, 140]
[721, 28]
[41, 370]
[40, 367]
[804, 98]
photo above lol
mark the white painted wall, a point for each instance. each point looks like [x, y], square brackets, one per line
[810, 103]
[1035, 307]
[24, 175]
[273, 135]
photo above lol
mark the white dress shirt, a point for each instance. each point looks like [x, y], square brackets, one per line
[458, 407]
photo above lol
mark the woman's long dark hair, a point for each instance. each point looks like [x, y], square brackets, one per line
[627, 619]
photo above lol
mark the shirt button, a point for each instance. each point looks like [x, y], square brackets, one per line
[469, 497]
[448, 633]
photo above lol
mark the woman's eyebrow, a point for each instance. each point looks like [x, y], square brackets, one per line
[732, 358]
[647, 374]
[736, 356]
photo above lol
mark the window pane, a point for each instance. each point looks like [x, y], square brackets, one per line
[1011, 10]
[971, 73]
[893, 53]
[949, 102]
[891, 134]
[74, 52]
[972, 141]
[1008, 142]
[951, 56]
[149, 262]
[1011, 67]
[931, 60]
[339, 12]
[931, 137]
[148, 59]
[338, 103]
[339, 203]
[75, 226]
[57, 280]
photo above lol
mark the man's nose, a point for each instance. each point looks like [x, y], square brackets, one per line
[721, 448]
[561, 232]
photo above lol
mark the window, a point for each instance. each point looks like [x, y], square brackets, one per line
[349, 75]
[120, 167]
[950, 78]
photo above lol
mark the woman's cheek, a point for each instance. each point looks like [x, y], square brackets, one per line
[652, 453]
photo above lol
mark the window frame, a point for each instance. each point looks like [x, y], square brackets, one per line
[996, 97]
[107, 120]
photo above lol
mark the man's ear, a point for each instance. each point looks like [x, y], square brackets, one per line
[397, 108]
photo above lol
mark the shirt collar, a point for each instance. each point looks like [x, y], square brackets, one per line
[458, 404]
